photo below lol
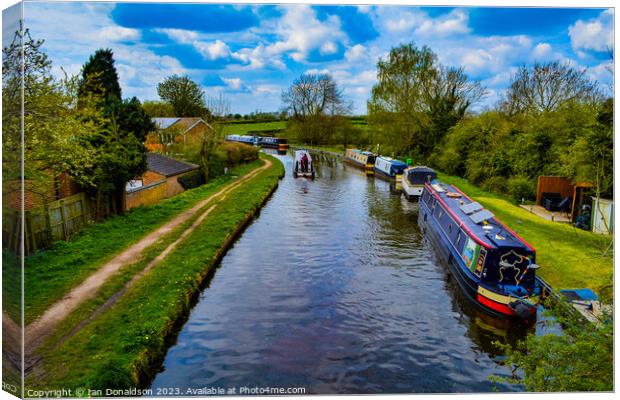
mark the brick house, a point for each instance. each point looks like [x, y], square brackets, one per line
[158, 182]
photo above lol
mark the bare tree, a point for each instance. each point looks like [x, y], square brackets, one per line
[219, 105]
[313, 95]
[545, 87]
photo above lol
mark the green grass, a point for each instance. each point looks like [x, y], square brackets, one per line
[569, 257]
[244, 129]
[50, 274]
[121, 347]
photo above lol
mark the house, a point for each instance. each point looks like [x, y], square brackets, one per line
[171, 130]
[160, 181]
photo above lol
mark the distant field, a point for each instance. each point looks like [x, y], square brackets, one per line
[244, 129]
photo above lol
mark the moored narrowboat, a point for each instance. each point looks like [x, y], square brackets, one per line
[389, 168]
[414, 179]
[361, 159]
[273, 143]
[251, 140]
[493, 266]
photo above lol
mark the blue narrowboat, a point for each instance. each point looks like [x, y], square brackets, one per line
[273, 143]
[389, 168]
[493, 266]
[251, 140]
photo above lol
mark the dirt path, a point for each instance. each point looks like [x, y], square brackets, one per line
[44, 325]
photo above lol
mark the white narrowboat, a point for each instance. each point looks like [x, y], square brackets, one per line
[389, 168]
[303, 164]
[414, 179]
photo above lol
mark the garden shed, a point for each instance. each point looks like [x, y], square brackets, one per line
[558, 193]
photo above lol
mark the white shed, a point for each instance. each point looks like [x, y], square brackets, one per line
[602, 215]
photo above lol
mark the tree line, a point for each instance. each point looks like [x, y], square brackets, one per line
[551, 120]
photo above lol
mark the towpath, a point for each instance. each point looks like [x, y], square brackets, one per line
[45, 324]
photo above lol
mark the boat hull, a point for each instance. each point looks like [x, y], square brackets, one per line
[492, 302]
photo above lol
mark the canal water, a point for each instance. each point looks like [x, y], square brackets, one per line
[334, 289]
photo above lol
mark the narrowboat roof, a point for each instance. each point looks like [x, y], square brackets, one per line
[474, 218]
[420, 168]
[367, 153]
[393, 161]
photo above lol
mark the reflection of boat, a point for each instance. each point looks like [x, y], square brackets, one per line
[389, 168]
[493, 266]
[303, 164]
[414, 179]
[361, 159]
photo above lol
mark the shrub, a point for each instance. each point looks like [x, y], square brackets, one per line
[238, 153]
[192, 179]
[520, 187]
[496, 184]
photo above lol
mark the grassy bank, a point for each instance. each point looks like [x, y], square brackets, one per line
[569, 257]
[245, 128]
[121, 347]
[50, 274]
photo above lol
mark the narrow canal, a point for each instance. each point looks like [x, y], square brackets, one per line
[334, 289]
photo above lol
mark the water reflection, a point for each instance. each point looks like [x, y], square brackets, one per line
[335, 289]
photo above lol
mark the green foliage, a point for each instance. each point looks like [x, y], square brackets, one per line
[238, 153]
[192, 179]
[99, 77]
[578, 360]
[416, 100]
[520, 188]
[157, 109]
[185, 96]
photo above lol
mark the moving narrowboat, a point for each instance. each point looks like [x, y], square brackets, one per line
[273, 143]
[303, 164]
[361, 159]
[414, 179]
[493, 266]
[389, 168]
[251, 140]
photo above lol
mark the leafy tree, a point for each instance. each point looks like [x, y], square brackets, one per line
[99, 77]
[546, 87]
[185, 96]
[416, 100]
[121, 154]
[157, 109]
[55, 130]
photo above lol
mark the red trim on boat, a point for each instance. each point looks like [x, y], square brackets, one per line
[456, 218]
[501, 308]
[500, 222]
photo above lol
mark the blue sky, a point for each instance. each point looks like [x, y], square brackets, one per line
[250, 53]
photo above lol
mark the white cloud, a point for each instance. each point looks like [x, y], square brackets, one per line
[213, 50]
[452, 23]
[209, 50]
[328, 48]
[233, 83]
[595, 34]
[118, 33]
[541, 51]
[355, 53]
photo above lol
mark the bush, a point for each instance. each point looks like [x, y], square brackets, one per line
[192, 179]
[519, 187]
[496, 184]
[238, 153]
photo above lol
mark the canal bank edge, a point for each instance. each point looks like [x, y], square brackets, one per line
[147, 319]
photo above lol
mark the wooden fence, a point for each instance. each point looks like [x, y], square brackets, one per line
[59, 220]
